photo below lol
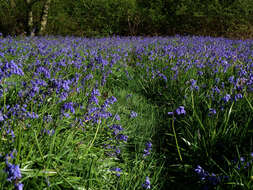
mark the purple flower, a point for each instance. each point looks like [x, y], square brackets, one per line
[205, 176]
[117, 151]
[117, 171]
[238, 96]
[49, 132]
[133, 114]
[94, 99]
[69, 106]
[95, 92]
[212, 111]
[117, 117]
[19, 186]
[226, 98]
[122, 137]
[116, 129]
[170, 113]
[65, 84]
[231, 79]
[109, 101]
[13, 171]
[1, 116]
[146, 184]
[104, 114]
[180, 110]
[200, 73]
[147, 149]
[201, 172]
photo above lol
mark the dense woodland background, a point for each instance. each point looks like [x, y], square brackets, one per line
[97, 18]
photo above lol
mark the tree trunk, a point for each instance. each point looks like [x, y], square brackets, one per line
[30, 30]
[44, 17]
[13, 4]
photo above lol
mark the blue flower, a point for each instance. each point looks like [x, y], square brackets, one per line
[13, 171]
[117, 117]
[226, 98]
[180, 110]
[212, 111]
[238, 96]
[133, 114]
[201, 172]
[147, 149]
[109, 101]
[1, 116]
[19, 186]
[69, 106]
[146, 184]
[117, 171]
[116, 129]
[170, 113]
[122, 137]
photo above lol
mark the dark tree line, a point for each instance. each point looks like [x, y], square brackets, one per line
[230, 18]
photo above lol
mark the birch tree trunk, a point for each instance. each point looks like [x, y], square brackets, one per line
[44, 17]
[30, 18]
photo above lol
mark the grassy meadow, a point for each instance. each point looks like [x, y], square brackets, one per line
[126, 113]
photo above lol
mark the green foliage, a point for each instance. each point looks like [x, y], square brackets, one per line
[230, 18]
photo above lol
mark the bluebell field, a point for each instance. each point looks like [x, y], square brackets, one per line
[126, 113]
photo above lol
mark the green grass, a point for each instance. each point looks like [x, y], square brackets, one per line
[63, 149]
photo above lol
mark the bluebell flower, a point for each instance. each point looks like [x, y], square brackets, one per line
[238, 96]
[13, 171]
[19, 186]
[147, 149]
[66, 84]
[1, 116]
[212, 112]
[44, 71]
[117, 117]
[180, 110]
[95, 92]
[200, 73]
[117, 171]
[66, 115]
[201, 172]
[117, 151]
[122, 137]
[210, 179]
[93, 99]
[109, 101]
[146, 184]
[231, 79]
[69, 106]
[193, 82]
[133, 114]
[226, 98]
[49, 132]
[116, 129]
[170, 113]
[104, 114]
[216, 90]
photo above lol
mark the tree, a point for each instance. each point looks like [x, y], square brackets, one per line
[31, 28]
[44, 17]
